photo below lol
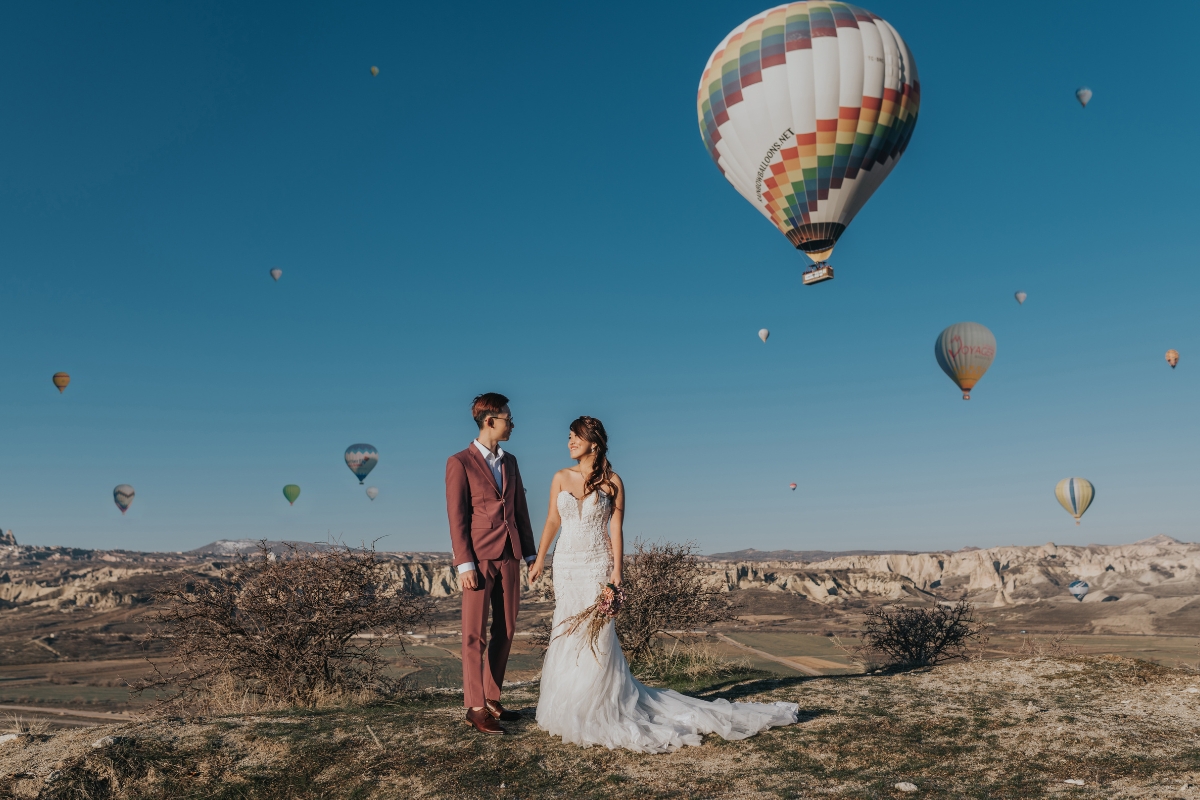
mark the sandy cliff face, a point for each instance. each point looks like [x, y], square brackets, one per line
[1013, 575]
[1152, 579]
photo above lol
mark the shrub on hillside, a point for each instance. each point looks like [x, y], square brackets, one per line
[665, 590]
[291, 630]
[909, 636]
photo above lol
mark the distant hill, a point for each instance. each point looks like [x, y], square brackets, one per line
[799, 555]
[234, 547]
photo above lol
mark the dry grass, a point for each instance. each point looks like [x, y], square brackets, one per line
[1000, 729]
[33, 726]
[689, 662]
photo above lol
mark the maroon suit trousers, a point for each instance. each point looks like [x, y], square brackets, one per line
[500, 588]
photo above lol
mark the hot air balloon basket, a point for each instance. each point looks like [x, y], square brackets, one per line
[817, 273]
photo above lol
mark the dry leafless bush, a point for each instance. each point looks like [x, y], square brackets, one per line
[301, 629]
[665, 591]
[1056, 646]
[906, 636]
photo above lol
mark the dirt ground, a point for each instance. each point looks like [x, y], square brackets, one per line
[1012, 728]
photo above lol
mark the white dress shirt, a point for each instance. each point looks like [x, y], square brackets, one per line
[493, 462]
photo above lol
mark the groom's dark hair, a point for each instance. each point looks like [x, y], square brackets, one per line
[487, 405]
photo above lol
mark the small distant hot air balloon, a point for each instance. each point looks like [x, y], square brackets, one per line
[1075, 495]
[61, 379]
[763, 334]
[1079, 589]
[123, 497]
[374, 72]
[372, 492]
[275, 273]
[361, 459]
[1172, 358]
[291, 492]
[1083, 94]
[792, 486]
[1020, 297]
[964, 351]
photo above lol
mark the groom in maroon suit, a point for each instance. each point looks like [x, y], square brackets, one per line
[491, 534]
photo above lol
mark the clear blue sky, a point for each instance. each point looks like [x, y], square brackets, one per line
[521, 202]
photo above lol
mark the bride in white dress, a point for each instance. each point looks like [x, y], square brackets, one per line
[591, 698]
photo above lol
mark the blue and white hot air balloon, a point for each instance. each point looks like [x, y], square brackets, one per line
[1079, 589]
[361, 459]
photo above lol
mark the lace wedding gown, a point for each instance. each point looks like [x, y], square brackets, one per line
[593, 699]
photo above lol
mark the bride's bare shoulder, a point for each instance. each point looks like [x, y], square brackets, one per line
[561, 477]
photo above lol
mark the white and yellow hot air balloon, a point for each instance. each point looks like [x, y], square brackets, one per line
[964, 351]
[1075, 495]
[806, 108]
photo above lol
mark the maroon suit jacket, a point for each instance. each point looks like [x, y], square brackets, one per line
[481, 520]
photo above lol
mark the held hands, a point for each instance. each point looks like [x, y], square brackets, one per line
[536, 569]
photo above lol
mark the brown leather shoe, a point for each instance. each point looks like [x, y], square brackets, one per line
[483, 721]
[500, 712]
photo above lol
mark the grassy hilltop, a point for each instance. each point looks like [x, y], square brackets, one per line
[1013, 728]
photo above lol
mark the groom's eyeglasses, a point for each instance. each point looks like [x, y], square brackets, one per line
[511, 422]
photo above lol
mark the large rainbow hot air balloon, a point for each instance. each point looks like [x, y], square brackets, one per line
[964, 351]
[361, 459]
[1075, 495]
[806, 108]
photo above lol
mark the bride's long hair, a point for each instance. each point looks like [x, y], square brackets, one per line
[591, 430]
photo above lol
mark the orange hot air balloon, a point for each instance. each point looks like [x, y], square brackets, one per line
[792, 486]
[61, 379]
[1172, 358]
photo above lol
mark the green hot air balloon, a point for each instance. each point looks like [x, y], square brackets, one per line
[291, 492]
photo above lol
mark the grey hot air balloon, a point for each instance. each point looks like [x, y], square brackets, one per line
[1020, 297]
[763, 334]
[123, 497]
[1083, 94]
[964, 351]
[372, 492]
[276, 273]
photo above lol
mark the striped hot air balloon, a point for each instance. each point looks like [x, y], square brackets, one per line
[61, 379]
[806, 108]
[1172, 358]
[1075, 495]
[291, 492]
[1079, 589]
[361, 459]
[964, 351]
